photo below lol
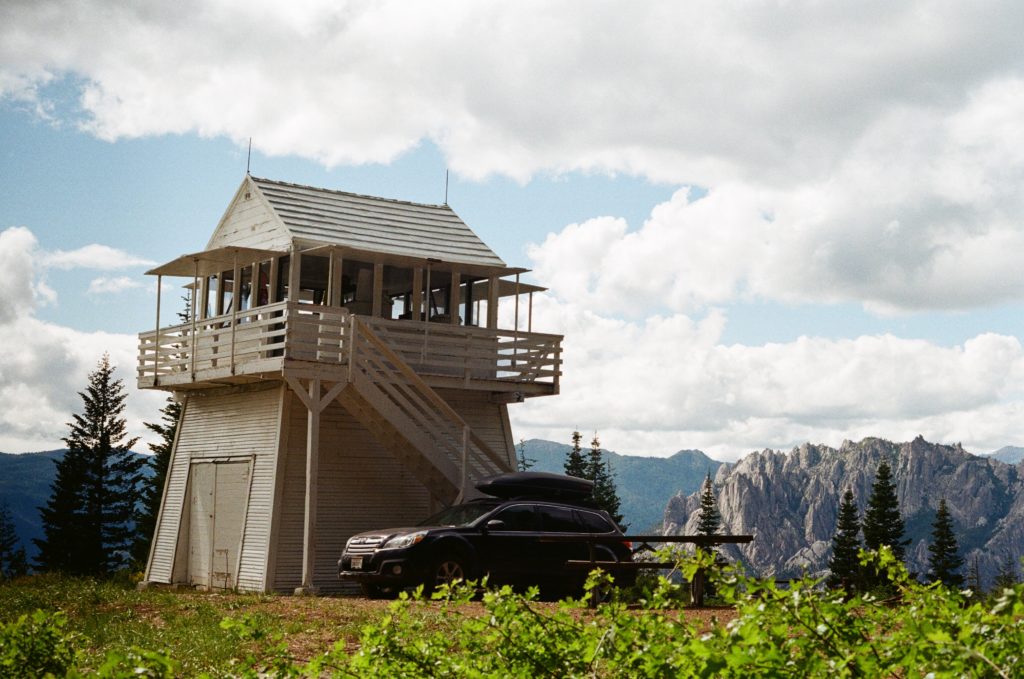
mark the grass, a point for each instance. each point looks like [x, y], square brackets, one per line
[111, 615]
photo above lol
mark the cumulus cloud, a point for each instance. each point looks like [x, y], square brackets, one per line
[650, 385]
[93, 256]
[868, 153]
[108, 286]
[45, 364]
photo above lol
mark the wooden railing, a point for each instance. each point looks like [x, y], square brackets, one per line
[473, 353]
[397, 391]
[257, 339]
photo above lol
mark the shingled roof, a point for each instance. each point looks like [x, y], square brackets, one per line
[376, 224]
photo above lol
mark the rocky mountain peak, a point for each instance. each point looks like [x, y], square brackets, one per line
[789, 502]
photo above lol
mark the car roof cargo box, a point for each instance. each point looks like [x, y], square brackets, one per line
[538, 485]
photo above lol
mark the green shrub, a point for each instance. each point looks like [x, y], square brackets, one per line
[36, 645]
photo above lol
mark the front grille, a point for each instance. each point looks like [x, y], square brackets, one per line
[364, 545]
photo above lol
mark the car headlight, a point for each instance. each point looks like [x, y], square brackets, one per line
[403, 541]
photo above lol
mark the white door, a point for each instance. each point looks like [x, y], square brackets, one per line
[219, 497]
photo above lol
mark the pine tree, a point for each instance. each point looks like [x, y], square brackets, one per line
[883, 524]
[153, 486]
[12, 554]
[943, 559]
[845, 562]
[599, 471]
[1007, 575]
[90, 520]
[974, 576]
[523, 463]
[575, 464]
[709, 521]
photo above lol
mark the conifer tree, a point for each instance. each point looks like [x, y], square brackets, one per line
[709, 521]
[12, 554]
[153, 486]
[599, 470]
[90, 520]
[1006, 577]
[575, 464]
[883, 524]
[974, 576]
[523, 463]
[943, 561]
[845, 562]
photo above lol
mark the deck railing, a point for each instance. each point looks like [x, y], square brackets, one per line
[256, 340]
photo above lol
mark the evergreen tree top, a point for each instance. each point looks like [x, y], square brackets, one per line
[709, 520]
[883, 524]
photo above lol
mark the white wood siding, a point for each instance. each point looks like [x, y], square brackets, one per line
[165, 539]
[236, 425]
[488, 420]
[250, 222]
[362, 487]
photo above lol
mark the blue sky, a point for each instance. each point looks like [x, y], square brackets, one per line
[760, 224]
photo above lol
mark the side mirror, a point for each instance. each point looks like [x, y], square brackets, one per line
[494, 524]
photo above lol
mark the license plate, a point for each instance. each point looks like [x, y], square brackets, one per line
[357, 563]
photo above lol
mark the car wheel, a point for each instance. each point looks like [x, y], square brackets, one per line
[447, 569]
[371, 591]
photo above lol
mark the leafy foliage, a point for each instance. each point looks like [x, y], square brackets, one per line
[89, 523]
[943, 558]
[800, 630]
[844, 566]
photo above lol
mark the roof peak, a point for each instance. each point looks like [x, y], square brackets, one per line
[353, 194]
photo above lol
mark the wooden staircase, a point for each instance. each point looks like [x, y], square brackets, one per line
[407, 416]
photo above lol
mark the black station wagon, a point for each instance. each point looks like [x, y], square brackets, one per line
[507, 537]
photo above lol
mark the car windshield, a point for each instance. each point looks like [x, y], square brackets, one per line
[459, 515]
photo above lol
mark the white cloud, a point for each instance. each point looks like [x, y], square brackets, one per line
[46, 365]
[92, 256]
[107, 286]
[654, 385]
[869, 153]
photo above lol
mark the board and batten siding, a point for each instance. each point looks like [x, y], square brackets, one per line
[239, 425]
[361, 487]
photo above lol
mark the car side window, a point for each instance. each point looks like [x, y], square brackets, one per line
[518, 518]
[594, 523]
[558, 520]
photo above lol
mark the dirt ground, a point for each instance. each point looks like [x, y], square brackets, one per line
[316, 623]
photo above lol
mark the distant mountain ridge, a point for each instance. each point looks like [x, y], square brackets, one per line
[25, 481]
[644, 484]
[789, 502]
[1009, 454]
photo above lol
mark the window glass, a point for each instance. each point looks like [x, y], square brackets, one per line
[559, 520]
[594, 523]
[518, 517]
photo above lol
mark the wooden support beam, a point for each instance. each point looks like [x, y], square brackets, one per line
[312, 474]
[417, 294]
[453, 298]
[492, 303]
[378, 289]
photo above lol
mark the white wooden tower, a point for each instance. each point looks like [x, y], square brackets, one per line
[341, 369]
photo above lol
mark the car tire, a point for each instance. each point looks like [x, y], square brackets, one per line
[372, 591]
[446, 569]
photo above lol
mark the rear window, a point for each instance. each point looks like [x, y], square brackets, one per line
[594, 523]
[559, 520]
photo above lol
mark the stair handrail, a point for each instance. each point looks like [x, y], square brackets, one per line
[361, 329]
